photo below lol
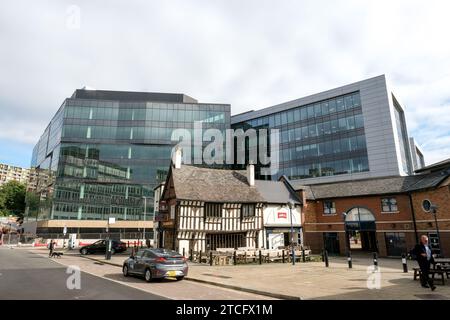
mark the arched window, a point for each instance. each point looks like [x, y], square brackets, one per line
[359, 214]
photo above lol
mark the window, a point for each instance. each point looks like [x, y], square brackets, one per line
[329, 207]
[389, 204]
[248, 210]
[213, 209]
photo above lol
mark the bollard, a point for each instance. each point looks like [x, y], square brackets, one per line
[128, 244]
[303, 255]
[375, 260]
[260, 257]
[325, 255]
[349, 260]
[183, 253]
[282, 255]
[191, 256]
[210, 258]
[405, 265]
[234, 257]
[200, 257]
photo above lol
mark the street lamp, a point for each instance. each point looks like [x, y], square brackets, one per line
[347, 241]
[433, 209]
[291, 205]
[145, 213]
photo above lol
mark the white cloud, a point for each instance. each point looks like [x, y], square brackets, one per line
[251, 54]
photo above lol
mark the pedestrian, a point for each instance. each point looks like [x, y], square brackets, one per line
[51, 246]
[424, 258]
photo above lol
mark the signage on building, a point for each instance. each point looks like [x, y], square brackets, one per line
[282, 215]
[167, 223]
[163, 205]
[161, 216]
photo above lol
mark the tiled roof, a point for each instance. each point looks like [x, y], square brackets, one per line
[213, 185]
[377, 186]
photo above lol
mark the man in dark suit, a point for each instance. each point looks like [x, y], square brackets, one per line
[425, 259]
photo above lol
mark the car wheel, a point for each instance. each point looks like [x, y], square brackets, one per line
[180, 278]
[125, 270]
[84, 252]
[148, 275]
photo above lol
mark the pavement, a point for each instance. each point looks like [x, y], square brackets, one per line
[312, 280]
[308, 281]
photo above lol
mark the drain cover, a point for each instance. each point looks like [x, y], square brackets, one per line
[432, 296]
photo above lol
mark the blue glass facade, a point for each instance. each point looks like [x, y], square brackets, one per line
[105, 156]
[319, 139]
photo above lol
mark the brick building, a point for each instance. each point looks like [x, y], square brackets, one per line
[386, 215]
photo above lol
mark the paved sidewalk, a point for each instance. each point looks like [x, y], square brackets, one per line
[312, 280]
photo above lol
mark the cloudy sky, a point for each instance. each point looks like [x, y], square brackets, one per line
[251, 54]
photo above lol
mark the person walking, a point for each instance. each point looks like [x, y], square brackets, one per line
[424, 258]
[51, 246]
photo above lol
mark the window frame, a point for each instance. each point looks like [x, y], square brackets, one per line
[332, 209]
[389, 204]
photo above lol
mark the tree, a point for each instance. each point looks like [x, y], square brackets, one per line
[12, 198]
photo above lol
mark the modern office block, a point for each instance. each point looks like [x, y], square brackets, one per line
[105, 151]
[355, 131]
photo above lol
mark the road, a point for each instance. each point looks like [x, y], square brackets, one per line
[30, 274]
[25, 275]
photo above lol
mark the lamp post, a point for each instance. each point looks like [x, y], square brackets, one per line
[347, 240]
[145, 213]
[291, 205]
[434, 208]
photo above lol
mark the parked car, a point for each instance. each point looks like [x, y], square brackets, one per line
[156, 263]
[100, 247]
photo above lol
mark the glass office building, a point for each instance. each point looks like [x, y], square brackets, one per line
[319, 139]
[107, 150]
[357, 131]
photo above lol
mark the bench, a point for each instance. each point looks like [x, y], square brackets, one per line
[433, 273]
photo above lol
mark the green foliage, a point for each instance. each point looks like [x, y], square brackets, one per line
[12, 199]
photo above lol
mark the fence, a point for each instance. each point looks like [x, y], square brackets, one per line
[231, 256]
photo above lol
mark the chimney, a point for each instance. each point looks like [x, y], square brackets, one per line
[302, 195]
[177, 158]
[251, 175]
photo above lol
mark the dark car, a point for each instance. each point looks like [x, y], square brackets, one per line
[100, 247]
[156, 263]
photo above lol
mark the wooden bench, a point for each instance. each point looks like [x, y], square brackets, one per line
[442, 272]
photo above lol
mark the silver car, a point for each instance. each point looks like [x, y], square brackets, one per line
[156, 263]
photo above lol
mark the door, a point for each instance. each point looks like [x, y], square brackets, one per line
[395, 243]
[139, 262]
[276, 240]
[331, 242]
[100, 247]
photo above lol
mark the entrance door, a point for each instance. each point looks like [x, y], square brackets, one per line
[331, 242]
[395, 243]
[361, 230]
[276, 240]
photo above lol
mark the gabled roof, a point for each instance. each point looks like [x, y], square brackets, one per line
[213, 185]
[375, 186]
[275, 192]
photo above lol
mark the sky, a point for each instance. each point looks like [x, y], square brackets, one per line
[251, 54]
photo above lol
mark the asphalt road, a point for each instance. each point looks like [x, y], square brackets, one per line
[25, 275]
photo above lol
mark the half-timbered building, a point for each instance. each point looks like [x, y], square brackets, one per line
[205, 209]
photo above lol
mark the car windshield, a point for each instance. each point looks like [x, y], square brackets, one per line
[166, 253]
